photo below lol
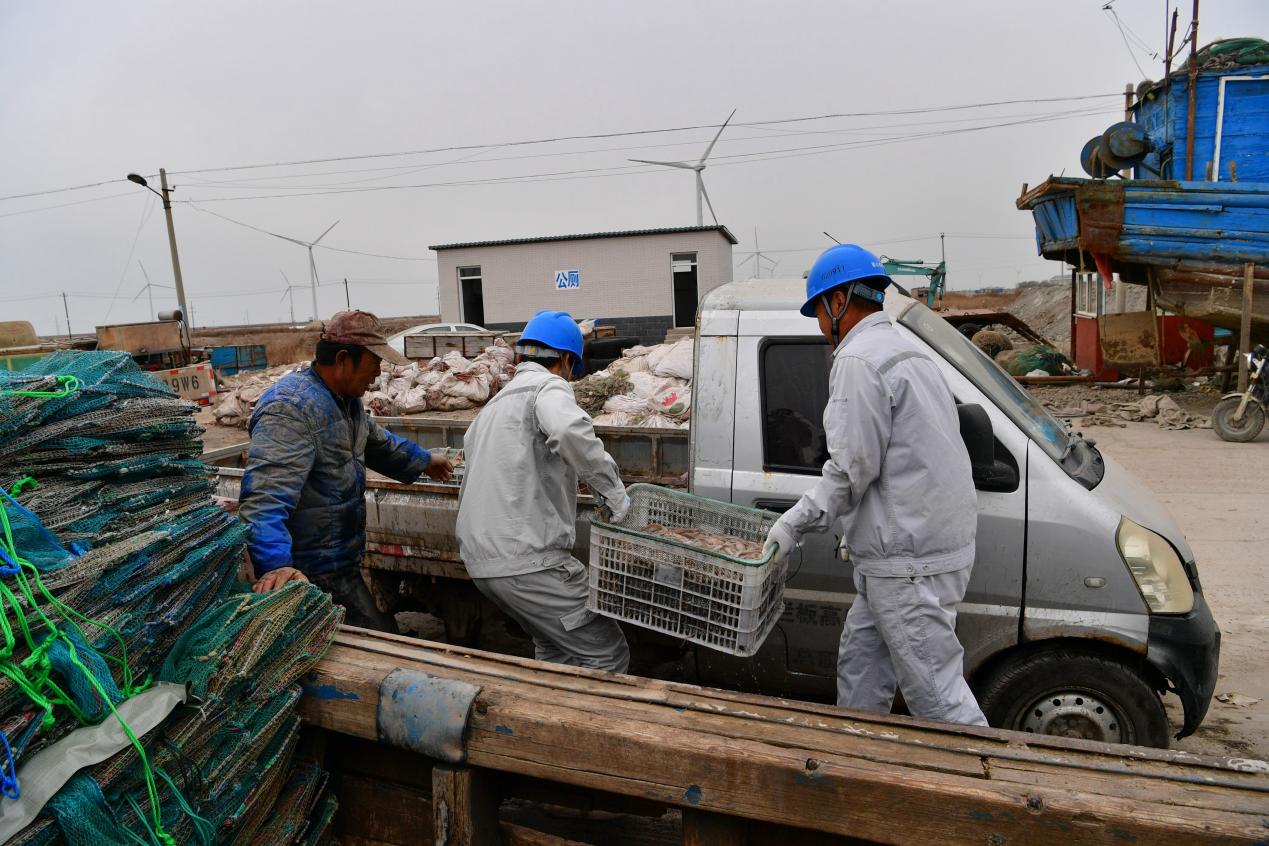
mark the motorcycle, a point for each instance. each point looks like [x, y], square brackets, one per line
[1241, 417]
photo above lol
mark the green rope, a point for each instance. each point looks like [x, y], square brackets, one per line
[33, 675]
[69, 385]
[25, 483]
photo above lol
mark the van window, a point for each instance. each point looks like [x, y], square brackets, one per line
[794, 380]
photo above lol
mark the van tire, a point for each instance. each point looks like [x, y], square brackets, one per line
[1074, 693]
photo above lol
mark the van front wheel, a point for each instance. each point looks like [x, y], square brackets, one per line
[1068, 693]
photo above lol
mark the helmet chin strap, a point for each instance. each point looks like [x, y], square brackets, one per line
[837, 316]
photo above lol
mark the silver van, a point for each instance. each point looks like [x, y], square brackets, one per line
[1085, 604]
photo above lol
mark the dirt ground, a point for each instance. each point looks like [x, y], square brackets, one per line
[1215, 491]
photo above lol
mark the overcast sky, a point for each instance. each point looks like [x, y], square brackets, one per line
[95, 90]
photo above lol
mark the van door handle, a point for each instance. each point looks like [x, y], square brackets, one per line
[779, 506]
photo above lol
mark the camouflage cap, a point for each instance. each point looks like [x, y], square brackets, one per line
[363, 329]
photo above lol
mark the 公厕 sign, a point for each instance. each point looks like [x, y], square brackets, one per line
[566, 279]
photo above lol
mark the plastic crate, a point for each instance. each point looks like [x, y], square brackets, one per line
[725, 603]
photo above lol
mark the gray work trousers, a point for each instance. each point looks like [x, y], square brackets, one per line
[551, 606]
[347, 588]
[902, 631]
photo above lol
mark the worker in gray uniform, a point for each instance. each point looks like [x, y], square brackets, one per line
[898, 477]
[517, 510]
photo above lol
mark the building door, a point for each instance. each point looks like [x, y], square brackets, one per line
[472, 294]
[683, 270]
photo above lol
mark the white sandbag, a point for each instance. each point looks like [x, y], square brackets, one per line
[412, 401]
[672, 402]
[587, 327]
[231, 406]
[616, 418]
[627, 404]
[455, 360]
[645, 385]
[676, 361]
[638, 364]
[660, 421]
[380, 404]
[399, 385]
[637, 351]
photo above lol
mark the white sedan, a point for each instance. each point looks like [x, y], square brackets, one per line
[397, 341]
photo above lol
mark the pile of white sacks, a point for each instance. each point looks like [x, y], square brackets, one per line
[448, 383]
[661, 387]
[660, 394]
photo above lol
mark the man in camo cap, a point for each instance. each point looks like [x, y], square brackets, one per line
[303, 493]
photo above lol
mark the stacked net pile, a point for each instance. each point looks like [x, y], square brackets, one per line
[112, 554]
[111, 540]
[224, 767]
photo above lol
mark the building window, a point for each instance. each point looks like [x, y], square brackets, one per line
[1090, 295]
[794, 392]
[471, 295]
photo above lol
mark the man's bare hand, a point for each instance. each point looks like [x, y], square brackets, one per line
[439, 469]
[274, 579]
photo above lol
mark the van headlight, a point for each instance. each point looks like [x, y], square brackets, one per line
[1156, 568]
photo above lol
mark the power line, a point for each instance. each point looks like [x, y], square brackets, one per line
[580, 137]
[252, 183]
[47, 191]
[621, 170]
[629, 133]
[74, 203]
[146, 211]
[1124, 35]
[191, 204]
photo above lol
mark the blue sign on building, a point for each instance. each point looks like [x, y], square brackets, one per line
[565, 279]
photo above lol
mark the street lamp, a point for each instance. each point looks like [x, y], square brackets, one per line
[171, 242]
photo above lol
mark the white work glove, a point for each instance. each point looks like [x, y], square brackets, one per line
[782, 539]
[620, 509]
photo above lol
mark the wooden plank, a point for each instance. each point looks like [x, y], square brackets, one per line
[464, 808]
[972, 740]
[381, 811]
[701, 828]
[517, 728]
[518, 835]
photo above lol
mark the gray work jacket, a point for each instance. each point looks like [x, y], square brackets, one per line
[524, 453]
[898, 473]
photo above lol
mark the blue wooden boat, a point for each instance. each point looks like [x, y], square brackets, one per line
[1189, 240]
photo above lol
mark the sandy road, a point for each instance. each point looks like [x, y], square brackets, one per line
[1217, 493]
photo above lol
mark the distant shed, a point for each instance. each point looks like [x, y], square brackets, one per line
[644, 282]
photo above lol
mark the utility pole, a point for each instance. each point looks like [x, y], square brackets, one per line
[1192, 94]
[942, 261]
[176, 259]
[66, 306]
[347, 299]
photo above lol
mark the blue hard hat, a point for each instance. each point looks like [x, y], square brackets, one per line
[840, 265]
[557, 330]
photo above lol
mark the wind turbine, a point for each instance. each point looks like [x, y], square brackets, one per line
[287, 293]
[312, 265]
[148, 289]
[758, 257]
[698, 167]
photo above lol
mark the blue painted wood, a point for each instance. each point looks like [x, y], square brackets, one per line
[1162, 222]
[1244, 132]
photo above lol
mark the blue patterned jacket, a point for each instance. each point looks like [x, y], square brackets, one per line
[303, 493]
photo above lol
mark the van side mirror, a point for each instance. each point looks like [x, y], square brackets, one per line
[991, 472]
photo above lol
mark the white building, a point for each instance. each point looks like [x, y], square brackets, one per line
[644, 282]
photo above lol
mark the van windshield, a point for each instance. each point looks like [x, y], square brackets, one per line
[990, 378]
